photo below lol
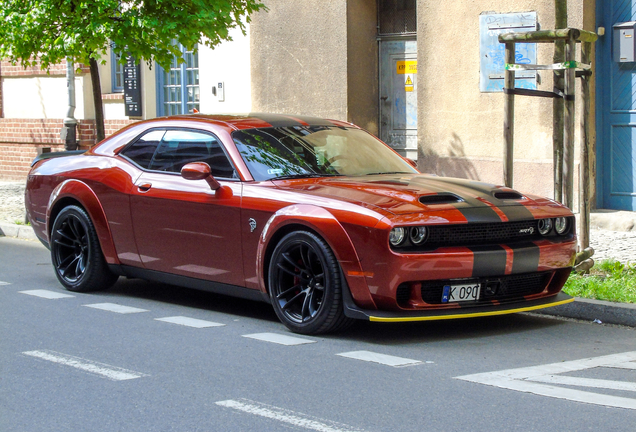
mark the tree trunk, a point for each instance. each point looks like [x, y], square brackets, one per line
[97, 100]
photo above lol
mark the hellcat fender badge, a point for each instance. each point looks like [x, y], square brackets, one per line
[252, 223]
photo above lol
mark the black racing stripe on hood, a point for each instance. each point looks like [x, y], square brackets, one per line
[488, 260]
[483, 214]
[525, 258]
[516, 212]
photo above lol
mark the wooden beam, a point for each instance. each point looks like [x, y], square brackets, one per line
[549, 36]
[568, 127]
[509, 121]
[584, 173]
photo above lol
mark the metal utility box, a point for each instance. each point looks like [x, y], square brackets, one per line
[624, 42]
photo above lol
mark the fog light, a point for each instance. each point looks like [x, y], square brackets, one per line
[561, 225]
[397, 236]
[545, 226]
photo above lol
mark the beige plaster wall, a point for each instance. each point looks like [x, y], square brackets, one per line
[362, 64]
[298, 58]
[460, 129]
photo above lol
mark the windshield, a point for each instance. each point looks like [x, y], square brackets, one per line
[315, 151]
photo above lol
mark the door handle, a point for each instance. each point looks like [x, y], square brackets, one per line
[144, 187]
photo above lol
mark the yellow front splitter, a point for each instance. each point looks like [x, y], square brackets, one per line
[558, 300]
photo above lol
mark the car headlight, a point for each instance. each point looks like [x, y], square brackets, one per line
[397, 236]
[418, 234]
[561, 225]
[545, 226]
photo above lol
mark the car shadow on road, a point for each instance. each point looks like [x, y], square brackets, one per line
[176, 295]
[446, 330]
[362, 331]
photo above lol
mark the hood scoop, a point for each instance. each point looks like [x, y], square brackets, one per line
[442, 198]
[508, 195]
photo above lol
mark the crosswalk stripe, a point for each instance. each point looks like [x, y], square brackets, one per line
[279, 339]
[285, 416]
[379, 358]
[189, 322]
[52, 295]
[111, 372]
[113, 307]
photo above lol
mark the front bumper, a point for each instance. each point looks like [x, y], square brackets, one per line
[353, 311]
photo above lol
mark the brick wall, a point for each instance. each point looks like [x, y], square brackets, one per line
[20, 140]
[55, 70]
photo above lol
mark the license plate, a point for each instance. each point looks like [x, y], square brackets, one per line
[460, 293]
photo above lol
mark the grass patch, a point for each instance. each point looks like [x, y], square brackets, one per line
[21, 222]
[608, 280]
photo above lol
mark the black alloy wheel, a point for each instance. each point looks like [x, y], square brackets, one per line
[305, 285]
[76, 253]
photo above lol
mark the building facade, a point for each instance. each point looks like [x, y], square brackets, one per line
[425, 76]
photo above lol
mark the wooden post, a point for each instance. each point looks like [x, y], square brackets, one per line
[584, 183]
[561, 22]
[509, 121]
[568, 126]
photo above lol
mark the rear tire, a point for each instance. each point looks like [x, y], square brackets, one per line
[76, 253]
[305, 285]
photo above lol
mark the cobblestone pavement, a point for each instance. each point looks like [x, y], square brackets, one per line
[12, 202]
[619, 245]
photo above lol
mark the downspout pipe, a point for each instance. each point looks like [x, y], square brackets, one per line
[69, 131]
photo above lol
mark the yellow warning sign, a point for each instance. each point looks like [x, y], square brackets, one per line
[408, 84]
[409, 81]
[406, 67]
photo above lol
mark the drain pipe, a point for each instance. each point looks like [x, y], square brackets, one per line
[69, 131]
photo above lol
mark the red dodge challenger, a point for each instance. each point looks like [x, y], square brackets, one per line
[317, 217]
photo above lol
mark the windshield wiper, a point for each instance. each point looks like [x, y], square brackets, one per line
[305, 175]
[389, 172]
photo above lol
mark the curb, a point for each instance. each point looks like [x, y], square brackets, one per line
[582, 309]
[592, 310]
[19, 231]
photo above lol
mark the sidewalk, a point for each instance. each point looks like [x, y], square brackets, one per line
[612, 235]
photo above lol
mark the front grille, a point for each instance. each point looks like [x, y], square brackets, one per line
[492, 288]
[481, 234]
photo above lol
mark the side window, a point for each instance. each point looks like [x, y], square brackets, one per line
[179, 147]
[144, 148]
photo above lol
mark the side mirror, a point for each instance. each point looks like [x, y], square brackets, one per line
[411, 162]
[199, 171]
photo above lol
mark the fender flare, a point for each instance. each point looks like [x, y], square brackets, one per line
[81, 192]
[322, 222]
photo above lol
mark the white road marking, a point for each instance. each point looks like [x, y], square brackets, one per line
[4, 283]
[626, 365]
[585, 382]
[286, 416]
[279, 338]
[521, 379]
[46, 294]
[110, 372]
[113, 307]
[190, 322]
[379, 358]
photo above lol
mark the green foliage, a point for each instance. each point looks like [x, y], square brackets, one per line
[608, 280]
[53, 30]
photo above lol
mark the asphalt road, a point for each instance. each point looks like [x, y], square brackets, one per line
[76, 363]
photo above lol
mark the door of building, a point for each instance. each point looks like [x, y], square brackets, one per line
[398, 95]
[615, 112]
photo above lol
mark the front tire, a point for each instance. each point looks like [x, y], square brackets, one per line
[76, 254]
[305, 285]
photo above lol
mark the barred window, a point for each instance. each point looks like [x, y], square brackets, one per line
[397, 16]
